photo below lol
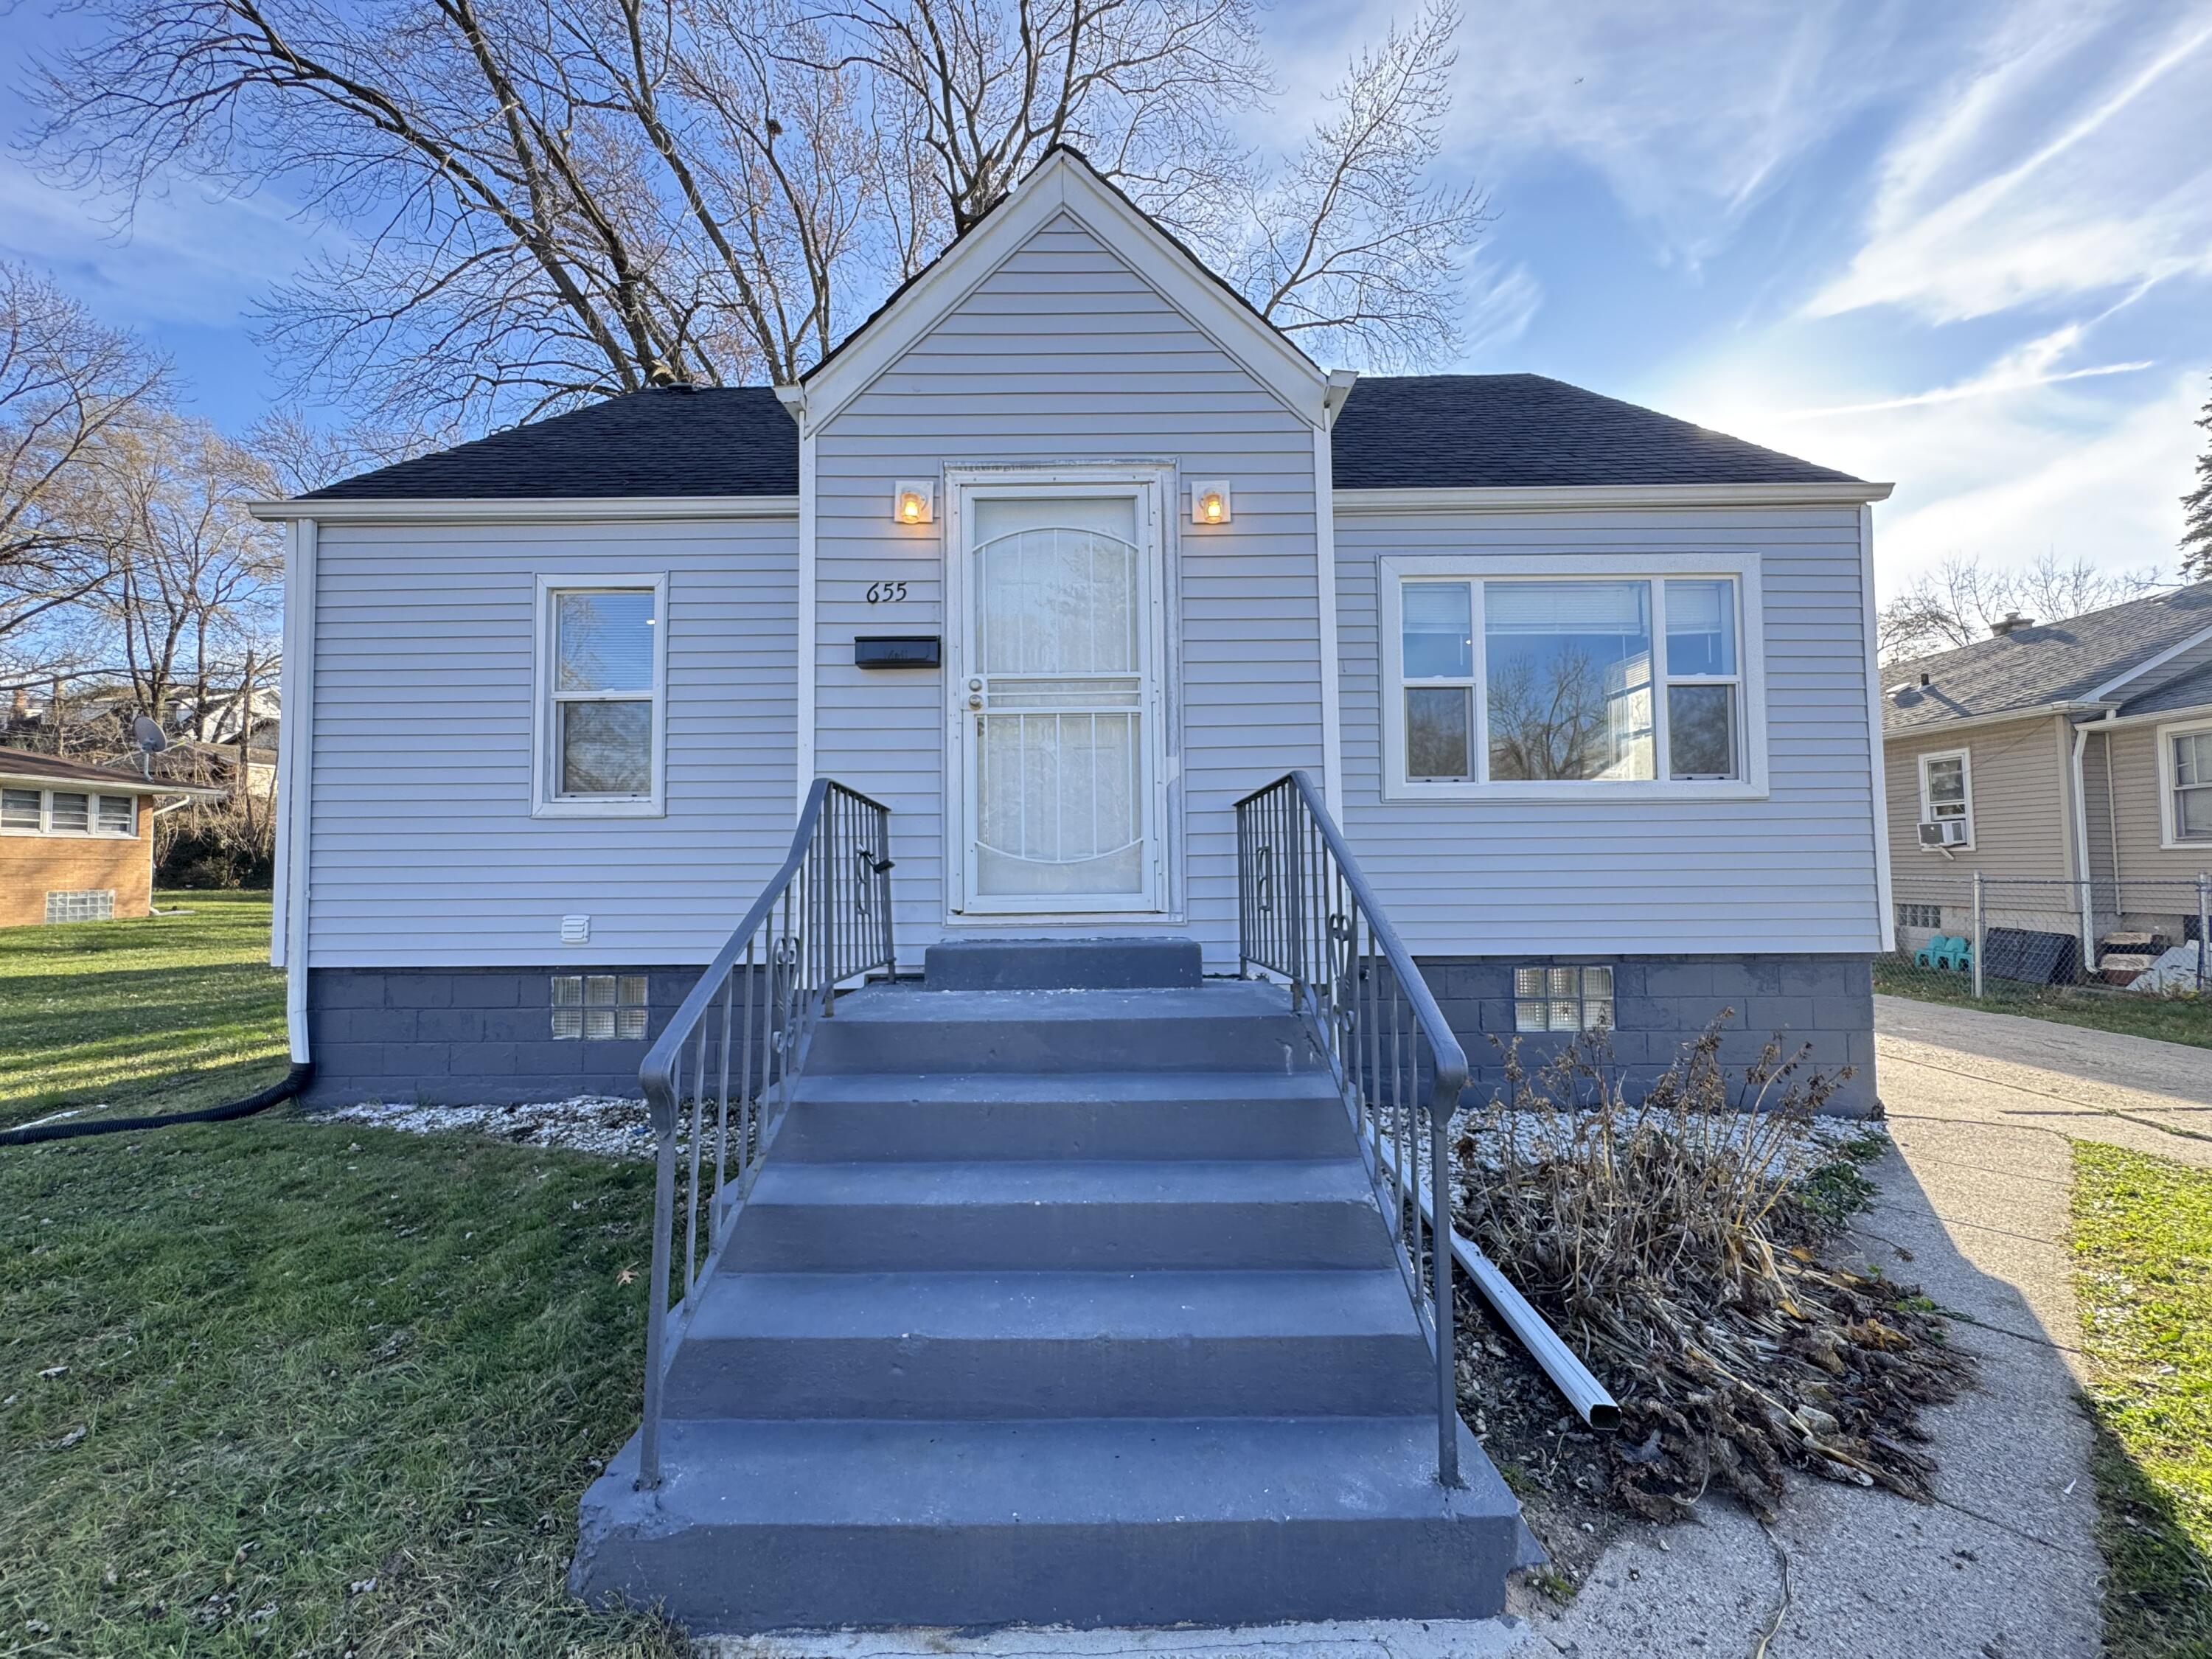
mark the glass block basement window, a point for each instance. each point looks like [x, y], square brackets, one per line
[98, 906]
[600, 1007]
[1920, 916]
[1562, 999]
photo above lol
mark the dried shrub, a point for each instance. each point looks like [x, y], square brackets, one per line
[1676, 1243]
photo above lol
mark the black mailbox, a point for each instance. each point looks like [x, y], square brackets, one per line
[895, 651]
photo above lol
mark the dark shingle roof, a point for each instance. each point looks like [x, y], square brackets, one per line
[1500, 431]
[2044, 663]
[1523, 431]
[2189, 691]
[723, 440]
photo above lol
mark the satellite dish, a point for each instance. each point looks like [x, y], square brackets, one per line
[151, 738]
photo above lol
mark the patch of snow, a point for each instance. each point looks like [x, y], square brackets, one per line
[1793, 1146]
[604, 1124]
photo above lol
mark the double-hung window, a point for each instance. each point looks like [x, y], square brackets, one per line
[602, 678]
[2184, 764]
[1505, 679]
[1946, 792]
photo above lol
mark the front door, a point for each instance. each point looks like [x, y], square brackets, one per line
[1057, 699]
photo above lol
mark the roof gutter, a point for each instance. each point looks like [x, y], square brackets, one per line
[537, 509]
[2036, 711]
[1838, 492]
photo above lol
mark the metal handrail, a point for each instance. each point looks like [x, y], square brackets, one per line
[824, 918]
[1306, 911]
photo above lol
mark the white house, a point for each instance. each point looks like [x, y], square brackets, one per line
[1062, 1287]
[1585, 686]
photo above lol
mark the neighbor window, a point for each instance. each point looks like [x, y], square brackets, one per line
[67, 812]
[1514, 679]
[2185, 761]
[1947, 790]
[1911, 915]
[599, 1007]
[602, 720]
[1562, 999]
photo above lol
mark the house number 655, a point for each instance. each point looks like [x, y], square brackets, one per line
[886, 592]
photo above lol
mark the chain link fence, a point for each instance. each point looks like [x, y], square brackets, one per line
[1973, 936]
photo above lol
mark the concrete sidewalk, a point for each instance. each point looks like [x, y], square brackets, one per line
[1973, 1206]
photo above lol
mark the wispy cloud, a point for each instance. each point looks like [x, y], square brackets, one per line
[1502, 301]
[2073, 154]
[2029, 365]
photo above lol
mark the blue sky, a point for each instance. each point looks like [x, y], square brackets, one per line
[1964, 247]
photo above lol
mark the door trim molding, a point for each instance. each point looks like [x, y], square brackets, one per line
[1157, 480]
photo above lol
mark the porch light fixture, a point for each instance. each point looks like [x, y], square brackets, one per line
[1209, 502]
[915, 502]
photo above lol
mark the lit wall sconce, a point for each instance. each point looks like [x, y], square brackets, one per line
[1209, 502]
[915, 502]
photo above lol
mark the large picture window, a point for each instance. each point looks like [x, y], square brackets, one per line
[601, 678]
[1516, 679]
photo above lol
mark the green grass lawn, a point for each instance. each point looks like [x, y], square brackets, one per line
[2142, 1242]
[2171, 1019]
[160, 1014]
[282, 1388]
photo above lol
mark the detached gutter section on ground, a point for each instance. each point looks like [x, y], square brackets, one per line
[1573, 1379]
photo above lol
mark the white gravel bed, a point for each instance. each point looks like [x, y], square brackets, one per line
[604, 1124]
[1800, 1146]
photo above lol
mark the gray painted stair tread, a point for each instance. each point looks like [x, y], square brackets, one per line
[1016, 1307]
[1050, 1088]
[1268, 1181]
[1230, 1000]
[1079, 1471]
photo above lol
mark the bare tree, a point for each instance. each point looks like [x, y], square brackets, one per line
[1963, 599]
[70, 390]
[192, 590]
[2197, 506]
[1351, 248]
[554, 200]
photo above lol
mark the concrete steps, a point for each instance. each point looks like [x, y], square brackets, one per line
[1054, 1305]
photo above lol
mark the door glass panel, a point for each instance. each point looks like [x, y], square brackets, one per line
[1060, 733]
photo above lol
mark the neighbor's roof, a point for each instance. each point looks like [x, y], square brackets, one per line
[2047, 663]
[24, 765]
[1428, 431]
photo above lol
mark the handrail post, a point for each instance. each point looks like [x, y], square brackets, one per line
[656, 1309]
[1440, 1276]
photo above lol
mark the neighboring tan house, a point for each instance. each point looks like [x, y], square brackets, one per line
[76, 840]
[1069, 643]
[2056, 759]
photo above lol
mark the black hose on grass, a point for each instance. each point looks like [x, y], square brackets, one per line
[298, 1077]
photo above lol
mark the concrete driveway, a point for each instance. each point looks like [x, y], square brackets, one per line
[1973, 1206]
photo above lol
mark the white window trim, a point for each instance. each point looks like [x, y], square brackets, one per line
[1966, 759]
[2169, 837]
[1743, 569]
[92, 794]
[546, 730]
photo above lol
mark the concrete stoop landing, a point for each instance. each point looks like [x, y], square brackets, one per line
[1056, 1305]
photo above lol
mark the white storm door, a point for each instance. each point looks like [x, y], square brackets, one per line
[1059, 701]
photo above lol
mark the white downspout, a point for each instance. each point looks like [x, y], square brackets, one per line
[2087, 890]
[296, 789]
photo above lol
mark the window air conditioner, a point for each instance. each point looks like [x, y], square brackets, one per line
[1944, 832]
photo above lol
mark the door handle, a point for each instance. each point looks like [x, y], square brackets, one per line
[974, 699]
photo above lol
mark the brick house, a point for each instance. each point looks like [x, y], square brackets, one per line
[76, 840]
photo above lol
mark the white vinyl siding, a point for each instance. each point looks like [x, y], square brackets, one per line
[1066, 354]
[1790, 870]
[424, 850]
